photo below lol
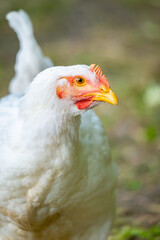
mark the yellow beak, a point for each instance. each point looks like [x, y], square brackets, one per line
[105, 95]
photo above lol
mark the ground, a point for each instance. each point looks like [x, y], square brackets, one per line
[123, 38]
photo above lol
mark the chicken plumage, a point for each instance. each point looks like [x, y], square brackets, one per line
[57, 179]
[25, 68]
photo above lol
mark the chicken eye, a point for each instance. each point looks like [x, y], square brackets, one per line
[79, 81]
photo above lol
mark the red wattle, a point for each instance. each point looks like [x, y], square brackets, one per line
[83, 104]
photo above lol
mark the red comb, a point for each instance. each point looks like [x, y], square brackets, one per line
[98, 72]
[96, 69]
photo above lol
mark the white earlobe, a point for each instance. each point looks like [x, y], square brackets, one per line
[63, 81]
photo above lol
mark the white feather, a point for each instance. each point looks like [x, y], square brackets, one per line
[57, 180]
[29, 60]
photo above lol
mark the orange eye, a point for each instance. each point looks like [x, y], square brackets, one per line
[80, 81]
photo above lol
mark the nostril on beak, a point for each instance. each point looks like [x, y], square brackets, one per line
[104, 89]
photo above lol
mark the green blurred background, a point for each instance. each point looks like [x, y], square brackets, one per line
[123, 37]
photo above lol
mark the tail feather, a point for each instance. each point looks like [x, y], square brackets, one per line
[29, 60]
[21, 24]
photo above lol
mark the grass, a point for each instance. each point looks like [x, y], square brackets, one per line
[134, 233]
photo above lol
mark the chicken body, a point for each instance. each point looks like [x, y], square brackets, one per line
[57, 180]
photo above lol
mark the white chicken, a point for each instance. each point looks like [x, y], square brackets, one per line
[57, 180]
